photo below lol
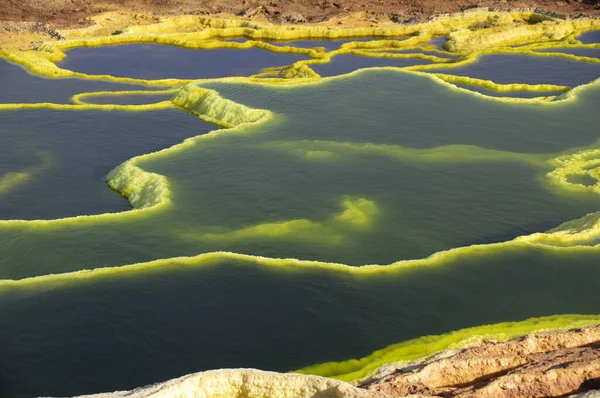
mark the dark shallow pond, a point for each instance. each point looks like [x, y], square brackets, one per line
[155, 61]
[329, 45]
[583, 52]
[593, 36]
[346, 63]
[518, 68]
[123, 332]
[70, 153]
[152, 61]
[19, 86]
[438, 42]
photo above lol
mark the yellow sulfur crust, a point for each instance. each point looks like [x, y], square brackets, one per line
[469, 36]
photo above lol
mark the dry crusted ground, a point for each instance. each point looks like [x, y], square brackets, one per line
[552, 364]
[70, 13]
[23, 22]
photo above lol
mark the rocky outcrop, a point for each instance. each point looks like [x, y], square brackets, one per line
[551, 364]
[246, 383]
[71, 13]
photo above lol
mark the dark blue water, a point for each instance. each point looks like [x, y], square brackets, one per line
[71, 153]
[583, 52]
[329, 45]
[132, 99]
[123, 332]
[518, 68]
[593, 36]
[438, 42]
[151, 61]
[346, 63]
[155, 61]
[19, 86]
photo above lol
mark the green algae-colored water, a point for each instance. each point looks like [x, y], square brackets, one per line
[372, 168]
[143, 327]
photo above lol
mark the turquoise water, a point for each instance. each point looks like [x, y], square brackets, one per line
[421, 169]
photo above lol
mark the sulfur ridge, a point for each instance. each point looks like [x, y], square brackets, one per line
[411, 350]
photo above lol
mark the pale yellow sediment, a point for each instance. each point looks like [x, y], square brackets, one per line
[245, 383]
[358, 214]
[78, 99]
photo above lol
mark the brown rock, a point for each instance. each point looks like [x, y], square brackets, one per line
[549, 364]
[295, 18]
[70, 13]
[553, 374]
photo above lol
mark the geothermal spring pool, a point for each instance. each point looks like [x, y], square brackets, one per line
[152, 228]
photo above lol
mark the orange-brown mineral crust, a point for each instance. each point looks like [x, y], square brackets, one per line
[71, 13]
